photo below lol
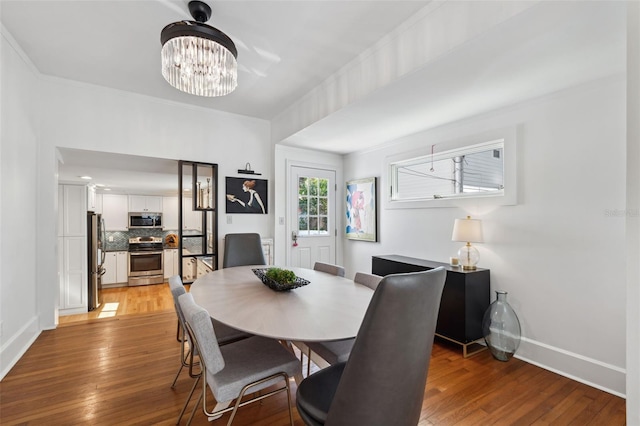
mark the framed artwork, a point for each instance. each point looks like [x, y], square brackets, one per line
[361, 210]
[246, 195]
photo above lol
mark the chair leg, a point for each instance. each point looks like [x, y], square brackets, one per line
[289, 401]
[186, 403]
[183, 363]
[195, 407]
[308, 362]
[173, 385]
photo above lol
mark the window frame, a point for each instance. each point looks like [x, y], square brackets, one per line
[468, 144]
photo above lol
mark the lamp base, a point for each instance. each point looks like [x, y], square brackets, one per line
[468, 257]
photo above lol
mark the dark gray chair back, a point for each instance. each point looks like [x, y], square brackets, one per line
[370, 280]
[384, 380]
[242, 249]
[329, 268]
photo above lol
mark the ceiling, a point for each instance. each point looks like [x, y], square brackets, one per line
[285, 48]
[288, 48]
[119, 173]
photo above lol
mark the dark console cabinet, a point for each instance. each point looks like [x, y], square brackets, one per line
[465, 298]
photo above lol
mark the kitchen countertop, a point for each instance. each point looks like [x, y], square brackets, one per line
[208, 261]
[112, 249]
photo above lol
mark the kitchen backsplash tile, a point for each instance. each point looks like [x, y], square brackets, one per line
[121, 238]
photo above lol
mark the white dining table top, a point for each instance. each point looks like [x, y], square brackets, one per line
[328, 308]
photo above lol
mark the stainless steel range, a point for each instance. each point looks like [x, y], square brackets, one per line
[145, 261]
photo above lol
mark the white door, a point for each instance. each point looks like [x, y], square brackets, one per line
[312, 218]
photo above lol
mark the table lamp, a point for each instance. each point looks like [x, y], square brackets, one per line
[468, 230]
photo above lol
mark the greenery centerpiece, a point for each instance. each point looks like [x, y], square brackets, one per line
[279, 279]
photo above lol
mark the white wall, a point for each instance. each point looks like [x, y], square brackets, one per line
[94, 118]
[633, 216]
[18, 202]
[560, 251]
[74, 115]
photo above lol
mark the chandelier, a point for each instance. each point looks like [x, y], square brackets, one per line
[197, 58]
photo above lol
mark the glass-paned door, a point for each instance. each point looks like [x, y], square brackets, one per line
[312, 213]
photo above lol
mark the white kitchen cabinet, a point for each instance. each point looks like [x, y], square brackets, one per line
[98, 204]
[202, 269]
[170, 213]
[74, 288]
[115, 212]
[61, 271]
[91, 198]
[74, 220]
[192, 220]
[170, 262]
[145, 203]
[72, 249]
[122, 272]
[60, 211]
[189, 269]
[110, 266]
[116, 265]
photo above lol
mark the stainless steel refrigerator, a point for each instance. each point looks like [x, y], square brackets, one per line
[96, 239]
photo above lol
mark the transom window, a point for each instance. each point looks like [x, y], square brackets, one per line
[471, 171]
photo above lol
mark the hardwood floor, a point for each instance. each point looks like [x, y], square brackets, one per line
[126, 301]
[118, 371]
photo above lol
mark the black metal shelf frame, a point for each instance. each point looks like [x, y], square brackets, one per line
[204, 198]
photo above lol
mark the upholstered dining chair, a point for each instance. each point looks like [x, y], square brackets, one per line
[383, 381]
[232, 370]
[329, 268]
[335, 351]
[242, 249]
[224, 334]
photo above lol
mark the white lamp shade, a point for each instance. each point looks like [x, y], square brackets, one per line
[467, 230]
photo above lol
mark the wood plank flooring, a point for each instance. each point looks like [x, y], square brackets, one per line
[118, 371]
[126, 301]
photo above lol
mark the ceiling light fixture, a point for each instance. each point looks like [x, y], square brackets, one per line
[197, 58]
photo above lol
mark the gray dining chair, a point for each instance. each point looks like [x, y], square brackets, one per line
[224, 334]
[383, 381]
[335, 351]
[231, 371]
[242, 249]
[329, 268]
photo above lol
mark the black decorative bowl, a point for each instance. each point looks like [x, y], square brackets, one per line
[274, 285]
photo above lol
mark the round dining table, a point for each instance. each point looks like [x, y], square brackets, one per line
[328, 308]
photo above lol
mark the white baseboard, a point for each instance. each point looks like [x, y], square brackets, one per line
[116, 285]
[597, 374]
[72, 311]
[17, 345]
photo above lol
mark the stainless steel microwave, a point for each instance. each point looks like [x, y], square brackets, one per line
[145, 220]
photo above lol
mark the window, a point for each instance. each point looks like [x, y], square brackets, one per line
[313, 203]
[470, 171]
[473, 170]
